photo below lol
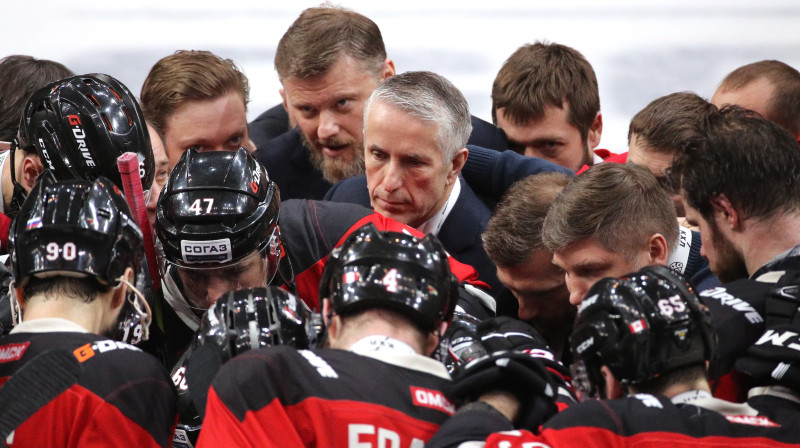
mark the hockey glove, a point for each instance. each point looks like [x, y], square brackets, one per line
[513, 371]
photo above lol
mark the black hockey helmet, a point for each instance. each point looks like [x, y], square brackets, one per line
[74, 228]
[80, 125]
[393, 270]
[256, 317]
[643, 325]
[216, 208]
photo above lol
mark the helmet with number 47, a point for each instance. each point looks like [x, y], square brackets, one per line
[217, 225]
[391, 270]
[642, 325]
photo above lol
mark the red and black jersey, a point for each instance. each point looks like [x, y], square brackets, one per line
[311, 229]
[779, 403]
[642, 421]
[123, 396]
[280, 397]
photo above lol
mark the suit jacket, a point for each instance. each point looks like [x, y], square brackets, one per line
[460, 234]
[270, 124]
[289, 164]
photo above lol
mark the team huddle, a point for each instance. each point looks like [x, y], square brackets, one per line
[367, 264]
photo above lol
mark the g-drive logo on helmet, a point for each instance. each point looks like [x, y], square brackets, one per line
[80, 138]
[211, 251]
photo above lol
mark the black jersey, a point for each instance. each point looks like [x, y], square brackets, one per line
[123, 396]
[279, 397]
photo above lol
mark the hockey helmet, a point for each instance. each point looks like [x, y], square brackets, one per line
[392, 270]
[256, 317]
[75, 227]
[81, 229]
[217, 220]
[80, 125]
[643, 325]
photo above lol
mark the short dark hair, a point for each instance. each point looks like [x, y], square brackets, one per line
[316, 40]
[86, 289]
[619, 205]
[682, 376]
[515, 229]
[754, 162]
[188, 75]
[784, 104]
[547, 74]
[669, 122]
[22, 75]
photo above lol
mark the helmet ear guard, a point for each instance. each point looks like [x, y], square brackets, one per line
[391, 270]
[642, 325]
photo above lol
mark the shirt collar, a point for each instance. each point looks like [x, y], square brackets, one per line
[434, 225]
[48, 325]
[398, 353]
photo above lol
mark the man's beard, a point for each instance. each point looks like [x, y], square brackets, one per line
[334, 169]
[730, 263]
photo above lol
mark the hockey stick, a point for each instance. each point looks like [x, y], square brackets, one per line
[35, 385]
[128, 165]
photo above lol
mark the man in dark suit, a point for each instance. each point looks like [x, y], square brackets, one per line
[416, 129]
[329, 62]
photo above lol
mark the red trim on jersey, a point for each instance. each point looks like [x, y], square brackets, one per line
[5, 226]
[312, 422]
[733, 386]
[78, 418]
[585, 436]
[607, 156]
[13, 352]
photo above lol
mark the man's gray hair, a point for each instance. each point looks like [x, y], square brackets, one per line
[430, 98]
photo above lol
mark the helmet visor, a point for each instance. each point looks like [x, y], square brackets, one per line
[202, 285]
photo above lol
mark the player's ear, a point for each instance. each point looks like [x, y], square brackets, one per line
[595, 131]
[118, 298]
[433, 339]
[31, 168]
[332, 321]
[19, 298]
[613, 388]
[657, 249]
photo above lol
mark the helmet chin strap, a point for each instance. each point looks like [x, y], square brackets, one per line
[141, 306]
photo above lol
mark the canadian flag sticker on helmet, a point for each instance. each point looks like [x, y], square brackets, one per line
[350, 277]
[212, 251]
[638, 326]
